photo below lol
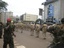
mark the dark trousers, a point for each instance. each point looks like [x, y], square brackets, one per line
[8, 41]
[0, 34]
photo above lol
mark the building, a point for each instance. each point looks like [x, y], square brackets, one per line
[29, 17]
[5, 15]
[1, 11]
[53, 9]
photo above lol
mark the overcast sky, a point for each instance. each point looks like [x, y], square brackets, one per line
[19, 7]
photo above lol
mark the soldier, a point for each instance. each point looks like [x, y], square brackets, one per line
[8, 33]
[44, 30]
[58, 33]
[1, 27]
[37, 29]
[32, 29]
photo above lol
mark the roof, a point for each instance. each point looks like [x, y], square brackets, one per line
[46, 3]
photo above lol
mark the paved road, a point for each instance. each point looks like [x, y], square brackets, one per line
[24, 40]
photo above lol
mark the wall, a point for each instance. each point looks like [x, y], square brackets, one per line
[56, 10]
[62, 9]
[5, 15]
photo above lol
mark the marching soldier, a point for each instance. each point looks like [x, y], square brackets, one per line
[8, 35]
[44, 30]
[32, 28]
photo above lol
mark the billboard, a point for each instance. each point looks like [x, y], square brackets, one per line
[50, 10]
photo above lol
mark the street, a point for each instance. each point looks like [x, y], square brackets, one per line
[24, 40]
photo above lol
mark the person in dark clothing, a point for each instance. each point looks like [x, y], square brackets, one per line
[58, 32]
[8, 35]
[1, 27]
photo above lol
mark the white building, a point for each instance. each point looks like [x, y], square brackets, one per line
[29, 17]
[5, 15]
[56, 9]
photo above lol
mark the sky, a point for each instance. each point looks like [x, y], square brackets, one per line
[19, 7]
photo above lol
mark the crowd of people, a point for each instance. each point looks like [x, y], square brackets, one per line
[57, 30]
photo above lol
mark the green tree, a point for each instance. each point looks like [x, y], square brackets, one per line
[3, 5]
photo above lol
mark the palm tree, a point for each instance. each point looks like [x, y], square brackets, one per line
[3, 5]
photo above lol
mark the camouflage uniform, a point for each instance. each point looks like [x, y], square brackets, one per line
[58, 33]
[8, 36]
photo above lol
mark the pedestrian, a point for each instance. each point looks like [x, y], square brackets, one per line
[8, 35]
[1, 29]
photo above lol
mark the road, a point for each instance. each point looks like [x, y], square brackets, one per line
[24, 40]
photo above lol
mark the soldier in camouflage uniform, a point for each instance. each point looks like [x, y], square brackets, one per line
[58, 33]
[8, 35]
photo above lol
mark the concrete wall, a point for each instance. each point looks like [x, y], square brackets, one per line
[62, 9]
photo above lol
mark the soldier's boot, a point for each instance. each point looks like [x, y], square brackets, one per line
[11, 44]
[21, 31]
[0, 36]
[37, 36]
[44, 36]
[32, 33]
[5, 44]
[37, 33]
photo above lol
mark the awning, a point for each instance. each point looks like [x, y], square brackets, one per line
[46, 3]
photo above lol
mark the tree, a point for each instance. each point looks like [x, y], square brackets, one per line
[3, 5]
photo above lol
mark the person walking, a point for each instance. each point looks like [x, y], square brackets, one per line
[8, 35]
[44, 30]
